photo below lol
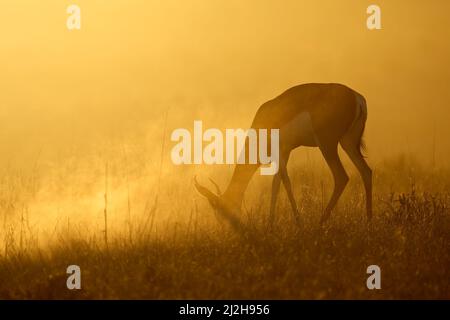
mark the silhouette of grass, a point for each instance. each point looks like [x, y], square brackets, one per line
[408, 238]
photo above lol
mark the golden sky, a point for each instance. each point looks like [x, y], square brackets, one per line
[133, 59]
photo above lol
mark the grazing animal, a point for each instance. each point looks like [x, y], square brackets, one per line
[313, 115]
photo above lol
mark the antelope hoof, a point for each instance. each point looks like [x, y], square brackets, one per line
[270, 226]
[297, 218]
[324, 218]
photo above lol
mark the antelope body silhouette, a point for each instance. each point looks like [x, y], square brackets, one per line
[313, 115]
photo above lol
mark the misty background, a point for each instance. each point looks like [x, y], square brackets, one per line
[220, 60]
[75, 102]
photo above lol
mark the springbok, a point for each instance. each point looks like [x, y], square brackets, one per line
[313, 115]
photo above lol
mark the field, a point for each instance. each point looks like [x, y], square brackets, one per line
[193, 254]
[93, 92]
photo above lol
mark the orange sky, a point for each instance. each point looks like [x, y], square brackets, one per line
[133, 59]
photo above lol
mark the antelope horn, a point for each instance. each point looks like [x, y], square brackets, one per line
[216, 185]
[212, 198]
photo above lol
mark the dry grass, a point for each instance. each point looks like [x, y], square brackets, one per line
[409, 239]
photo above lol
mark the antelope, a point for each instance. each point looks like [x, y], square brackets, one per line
[313, 115]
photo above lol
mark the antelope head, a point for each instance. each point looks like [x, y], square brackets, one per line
[223, 207]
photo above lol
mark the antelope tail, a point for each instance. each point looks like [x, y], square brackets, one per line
[360, 123]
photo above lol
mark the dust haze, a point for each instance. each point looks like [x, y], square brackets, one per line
[89, 112]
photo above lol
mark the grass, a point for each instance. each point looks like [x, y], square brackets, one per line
[199, 257]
